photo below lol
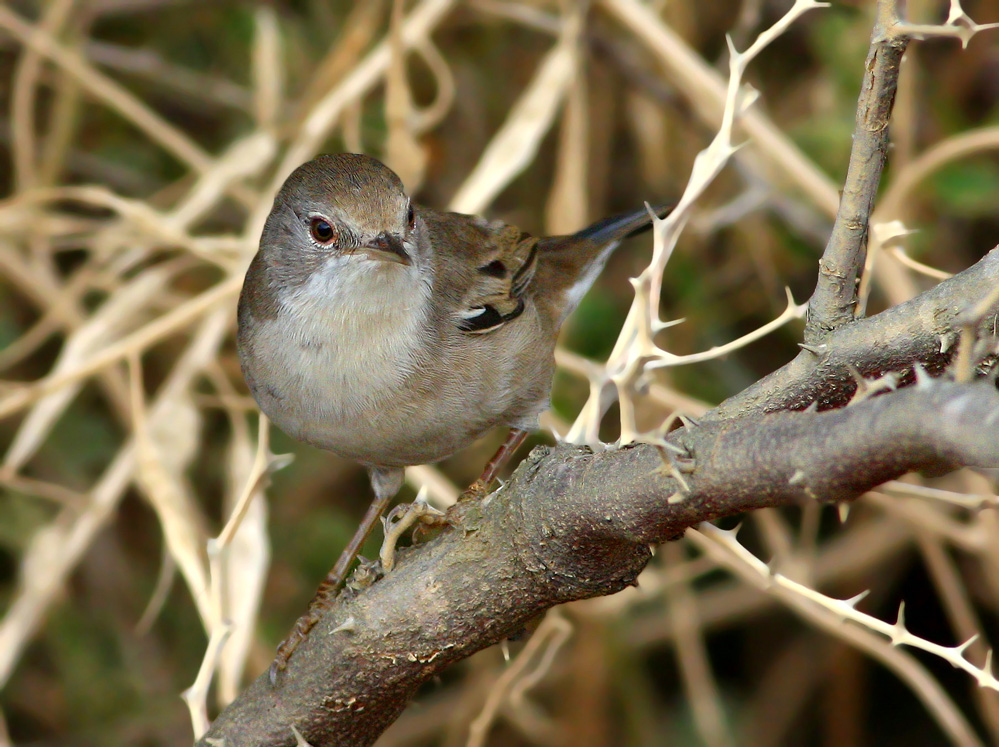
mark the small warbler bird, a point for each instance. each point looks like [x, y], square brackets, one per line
[394, 334]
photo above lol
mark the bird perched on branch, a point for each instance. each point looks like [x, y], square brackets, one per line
[394, 334]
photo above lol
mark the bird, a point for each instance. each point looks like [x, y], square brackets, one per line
[394, 334]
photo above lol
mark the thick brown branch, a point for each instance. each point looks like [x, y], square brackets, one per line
[832, 303]
[923, 330]
[573, 524]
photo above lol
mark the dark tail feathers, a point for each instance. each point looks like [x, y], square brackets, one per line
[622, 226]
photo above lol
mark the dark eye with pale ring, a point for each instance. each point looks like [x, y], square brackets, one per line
[323, 231]
[410, 214]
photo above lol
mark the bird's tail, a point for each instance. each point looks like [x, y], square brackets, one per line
[623, 226]
[573, 262]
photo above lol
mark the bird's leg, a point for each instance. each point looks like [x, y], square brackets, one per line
[386, 483]
[506, 450]
[403, 517]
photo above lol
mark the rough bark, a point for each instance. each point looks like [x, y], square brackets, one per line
[574, 524]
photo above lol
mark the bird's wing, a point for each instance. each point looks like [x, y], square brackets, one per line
[487, 267]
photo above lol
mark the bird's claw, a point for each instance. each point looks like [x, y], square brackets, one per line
[298, 634]
[399, 520]
[476, 491]
[366, 573]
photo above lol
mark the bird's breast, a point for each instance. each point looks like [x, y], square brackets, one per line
[331, 354]
[360, 375]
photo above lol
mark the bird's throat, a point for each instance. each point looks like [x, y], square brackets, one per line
[357, 330]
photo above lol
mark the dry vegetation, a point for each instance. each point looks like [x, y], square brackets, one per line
[144, 142]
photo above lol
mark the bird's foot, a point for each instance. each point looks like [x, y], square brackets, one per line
[298, 634]
[476, 491]
[399, 520]
[366, 573]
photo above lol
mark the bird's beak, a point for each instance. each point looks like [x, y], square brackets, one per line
[387, 247]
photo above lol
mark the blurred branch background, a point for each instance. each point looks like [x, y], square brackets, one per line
[144, 141]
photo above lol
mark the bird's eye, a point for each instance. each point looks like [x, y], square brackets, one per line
[323, 231]
[410, 214]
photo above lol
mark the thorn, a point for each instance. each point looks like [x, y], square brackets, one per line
[674, 456]
[347, 626]
[790, 296]
[867, 388]
[300, 741]
[923, 379]
[688, 422]
[843, 510]
[658, 325]
[505, 648]
[680, 451]
[946, 341]
[812, 408]
[732, 533]
[818, 351]
[652, 550]
[677, 497]
[852, 602]
[797, 478]
[732, 51]
[900, 620]
[675, 468]
[279, 462]
[961, 649]
[857, 376]
[686, 466]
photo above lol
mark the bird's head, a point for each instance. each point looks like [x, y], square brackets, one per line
[342, 213]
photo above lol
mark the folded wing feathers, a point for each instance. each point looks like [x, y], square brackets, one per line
[495, 295]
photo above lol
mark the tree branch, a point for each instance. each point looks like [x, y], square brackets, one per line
[832, 304]
[573, 524]
[922, 330]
